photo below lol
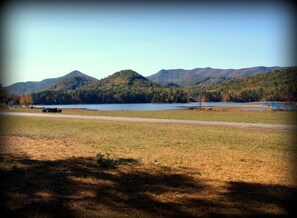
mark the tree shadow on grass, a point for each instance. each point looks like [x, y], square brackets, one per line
[77, 186]
[253, 197]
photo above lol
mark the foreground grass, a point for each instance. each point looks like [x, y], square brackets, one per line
[163, 170]
[221, 114]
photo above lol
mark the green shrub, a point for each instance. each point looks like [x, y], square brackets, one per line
[105, 161]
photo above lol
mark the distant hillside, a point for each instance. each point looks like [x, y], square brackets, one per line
[172, 78]
[126, 79]
[280, 85]
[22, 88]
[205, 76]
[71, 83]
[126, 86]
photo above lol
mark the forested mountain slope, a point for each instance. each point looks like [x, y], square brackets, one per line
[280, 85]
[125, 86]
[22, 88]
[205, 76]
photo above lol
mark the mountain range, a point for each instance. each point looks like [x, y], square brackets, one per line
[205, 76]
[128, 86]
[174, 77]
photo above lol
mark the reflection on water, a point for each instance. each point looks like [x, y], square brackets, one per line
[258, 106]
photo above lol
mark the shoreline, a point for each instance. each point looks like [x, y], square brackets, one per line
[261, 106]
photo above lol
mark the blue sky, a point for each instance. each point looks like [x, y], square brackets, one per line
[46, 41]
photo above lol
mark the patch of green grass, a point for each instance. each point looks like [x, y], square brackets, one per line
[268, 117]
[124, 136]
[170, 163]
[203, 148]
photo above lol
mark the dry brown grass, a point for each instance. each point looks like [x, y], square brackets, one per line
[50, 170]
[225, 114]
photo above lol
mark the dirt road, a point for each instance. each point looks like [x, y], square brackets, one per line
[164, 121]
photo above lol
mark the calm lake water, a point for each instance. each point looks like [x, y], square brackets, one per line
[149, 106]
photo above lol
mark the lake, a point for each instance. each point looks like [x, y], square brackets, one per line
[174, 106]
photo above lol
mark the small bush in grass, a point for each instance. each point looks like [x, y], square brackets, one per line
[105, 161]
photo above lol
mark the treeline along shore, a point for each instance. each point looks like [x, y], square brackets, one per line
[128, 86]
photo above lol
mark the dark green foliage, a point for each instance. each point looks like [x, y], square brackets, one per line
[3, 95]
[7, 99]
[124, 86]
[280, 85]
[128, 86]
[71, 83]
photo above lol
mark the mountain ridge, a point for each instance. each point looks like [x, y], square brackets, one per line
[279, 85]
[174, 77]
[128, 86]
[203, 76]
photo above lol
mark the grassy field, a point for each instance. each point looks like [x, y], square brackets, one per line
[227, 114]
[50, 169]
